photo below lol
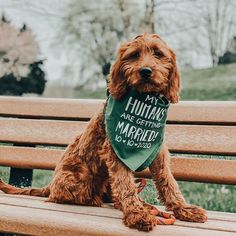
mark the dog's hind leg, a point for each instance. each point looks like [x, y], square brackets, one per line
[75, 180]
[82, 185]
[68, 188]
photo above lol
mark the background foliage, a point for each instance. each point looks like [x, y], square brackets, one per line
[20, 69]
[33, 83]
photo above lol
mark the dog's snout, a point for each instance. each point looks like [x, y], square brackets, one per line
[145, 72]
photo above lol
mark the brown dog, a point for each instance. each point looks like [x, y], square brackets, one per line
[90, 170]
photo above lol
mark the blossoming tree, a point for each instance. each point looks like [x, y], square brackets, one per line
[20, 69]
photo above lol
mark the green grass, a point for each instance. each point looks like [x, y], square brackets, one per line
[4, 173]
[207, 84]
[217, 83]
[213, 197]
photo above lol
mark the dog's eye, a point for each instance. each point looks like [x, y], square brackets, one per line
[134, 55]
[158, 53]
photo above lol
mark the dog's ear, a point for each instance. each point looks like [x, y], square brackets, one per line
[138, 36]
[156, 36]
[117, 82]
[173, 88]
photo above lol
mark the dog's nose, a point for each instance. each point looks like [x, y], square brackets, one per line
[145, 72]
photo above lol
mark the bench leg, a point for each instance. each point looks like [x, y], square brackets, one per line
[8, 234]
[21, 177]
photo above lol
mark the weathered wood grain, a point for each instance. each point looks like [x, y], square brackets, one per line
[180, 138]
[35, 216]
[183, 168]
[187, 111]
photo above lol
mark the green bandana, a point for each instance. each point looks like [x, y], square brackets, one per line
[135, 127]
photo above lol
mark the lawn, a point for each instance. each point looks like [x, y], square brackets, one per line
[217, 83]
[207, 84]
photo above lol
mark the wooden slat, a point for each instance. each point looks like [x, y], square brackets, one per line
[180, 138]
[183, 168]
[204, 170]
[27, 215]
[108, 209]
[200, 170]
[49, 107]
[202, 139]
[33, 221]
[218, 112]
[32, 158]
[223, 112]
[40, 131]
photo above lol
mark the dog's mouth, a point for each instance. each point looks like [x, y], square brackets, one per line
[148, 86]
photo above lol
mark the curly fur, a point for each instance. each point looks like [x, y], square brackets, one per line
[89, 170]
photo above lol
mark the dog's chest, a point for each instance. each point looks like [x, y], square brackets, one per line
[135, 127]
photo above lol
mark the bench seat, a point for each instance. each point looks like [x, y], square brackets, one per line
[34, 216]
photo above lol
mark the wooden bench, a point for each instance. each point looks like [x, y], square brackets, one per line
[37, 128]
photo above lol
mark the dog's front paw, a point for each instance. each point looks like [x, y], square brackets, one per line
[190, 213]
[140, 220]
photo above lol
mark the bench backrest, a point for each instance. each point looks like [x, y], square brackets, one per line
[41, 126]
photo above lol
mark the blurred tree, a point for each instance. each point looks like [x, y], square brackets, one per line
[89, 31]
[95, 30]
[148, 23]
[217, 19]
[230, 55]
[20, 70]
[92, 31]
[33, 83]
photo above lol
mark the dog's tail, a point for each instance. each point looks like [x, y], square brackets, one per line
[40, 192]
